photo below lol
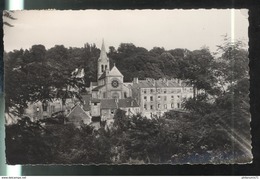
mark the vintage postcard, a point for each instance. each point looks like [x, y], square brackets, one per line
[127, 87]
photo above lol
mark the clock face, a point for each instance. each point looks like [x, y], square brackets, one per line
[115, 83]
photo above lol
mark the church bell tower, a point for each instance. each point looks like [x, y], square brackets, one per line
[103, 61]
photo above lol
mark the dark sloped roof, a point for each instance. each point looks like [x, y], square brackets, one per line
[77, 114]
[98, 87]
[102, 76]
[95, 100]
[108, 104]
[127, 103]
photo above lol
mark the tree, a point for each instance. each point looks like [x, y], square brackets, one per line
[37, 79]
[197, 67]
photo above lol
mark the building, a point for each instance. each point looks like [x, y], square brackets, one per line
[155, 97]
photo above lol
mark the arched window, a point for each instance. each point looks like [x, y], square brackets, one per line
[102, 68]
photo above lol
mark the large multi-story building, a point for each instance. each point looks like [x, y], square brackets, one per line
[158, 96]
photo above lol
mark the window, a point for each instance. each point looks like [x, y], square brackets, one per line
[151, 98]
[172, 97]
[165, 106]
[125, 94]
[144, 91]
[145, 107]
[165, 98]
[104, 95]
[178, 105]
[112, 111]
[151, 107]
[172, 105]
[159, 106]
[102, 68]
[159, 97]
[145, 98]
[95, 104]
[165, 91]
[151, 90]
[105, 67]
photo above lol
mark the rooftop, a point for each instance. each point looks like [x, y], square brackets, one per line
[102, 76]
[108, 104]
[152, 83]
[98, 87]
[127, 103]
[115, 72]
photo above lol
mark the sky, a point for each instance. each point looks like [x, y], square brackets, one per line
[190, 29]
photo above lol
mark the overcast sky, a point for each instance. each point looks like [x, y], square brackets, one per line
[170, 29]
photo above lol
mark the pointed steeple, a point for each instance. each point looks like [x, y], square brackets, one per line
[103, 61]
[103, 54]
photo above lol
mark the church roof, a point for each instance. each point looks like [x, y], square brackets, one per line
[127, 103]
[108, 104]
[98, 87]
[102, 76]
[115, 72]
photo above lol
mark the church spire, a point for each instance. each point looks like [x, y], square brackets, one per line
[103, 54]
[103, 61]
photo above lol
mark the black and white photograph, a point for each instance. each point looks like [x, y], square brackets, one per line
[135, 87]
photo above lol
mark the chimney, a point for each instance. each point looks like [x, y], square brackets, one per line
[136, 80]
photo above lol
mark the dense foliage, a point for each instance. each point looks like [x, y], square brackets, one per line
[214, 128]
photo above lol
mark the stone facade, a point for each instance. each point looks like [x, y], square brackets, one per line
[158, 96]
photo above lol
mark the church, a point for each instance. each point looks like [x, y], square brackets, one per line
[110, 92]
